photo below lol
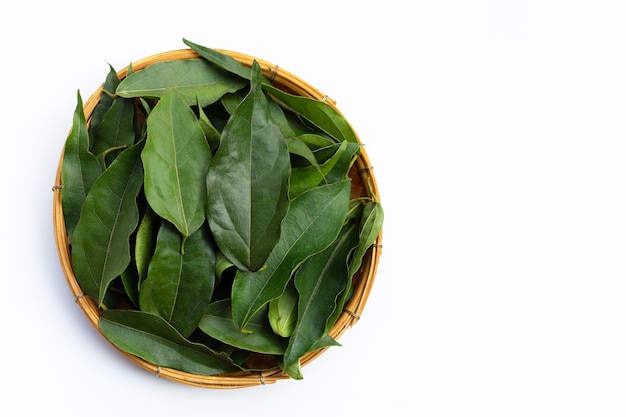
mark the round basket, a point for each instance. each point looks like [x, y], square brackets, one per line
[363, 184]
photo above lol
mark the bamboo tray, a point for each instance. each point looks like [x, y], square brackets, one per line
[363, 184]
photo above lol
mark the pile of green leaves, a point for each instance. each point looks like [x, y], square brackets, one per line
[210, 216]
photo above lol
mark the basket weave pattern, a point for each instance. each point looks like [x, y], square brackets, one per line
[363, 183]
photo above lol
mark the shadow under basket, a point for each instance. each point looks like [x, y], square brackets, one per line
[363, 184]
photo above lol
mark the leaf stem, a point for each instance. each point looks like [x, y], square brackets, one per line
[108, 93]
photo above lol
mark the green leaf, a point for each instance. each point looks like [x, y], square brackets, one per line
[258, 337]
[194, 79]
[341, 168]
[212, 135]
[176, 160]
[223, 266]
[222, 60]
[314, 141]
[294, 370]
[101, 248]
[283, 311]
[371, 225]
[179, 285]
[117, 128]
[312, 223]
[317, 112]
[319, 281]
[370, 216]
[106, 100]
[248, 182]
[230, 101]
[152, 339]
[145, 241]
[324, 342]
[298, 147]
[305, 178]
[79, 170]
[130, 283]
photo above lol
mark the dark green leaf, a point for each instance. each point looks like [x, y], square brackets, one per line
[194, 79]
[370, 216]
[258, 337]
[79, 170]
[117, 128]
[341, 169]
[106, 100]
[212, 135]
[324, 342]
[180, 284]
[101, 248]
[130, 283]
[314, 141]
[176, 160]
[248, 183]
[371, 225]
[312, 223]
[222, 60]
[319, 281]
[305, 178]
[317, 112]
[301, 149]
[230, 101]
[151, 338]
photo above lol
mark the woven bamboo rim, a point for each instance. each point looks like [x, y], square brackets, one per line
[364, 183]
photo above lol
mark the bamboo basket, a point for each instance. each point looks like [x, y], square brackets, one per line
[363, 184]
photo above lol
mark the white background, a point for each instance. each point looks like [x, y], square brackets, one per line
[497, 130]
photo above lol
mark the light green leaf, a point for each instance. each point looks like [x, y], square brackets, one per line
[145, 241]
[283, 311]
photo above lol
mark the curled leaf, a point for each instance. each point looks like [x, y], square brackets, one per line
[283, 311]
